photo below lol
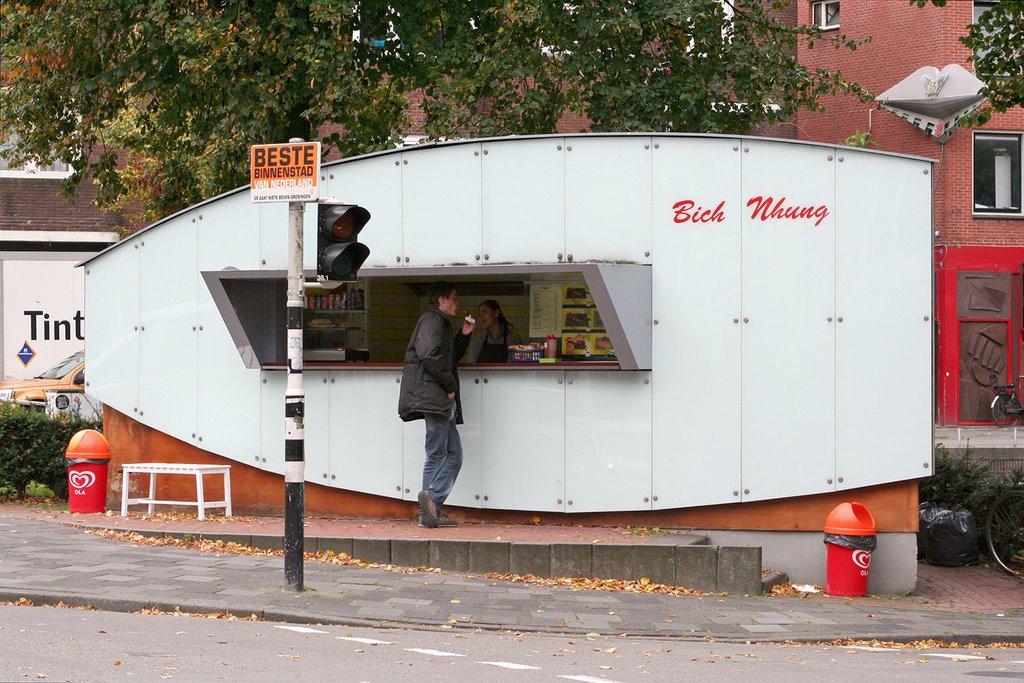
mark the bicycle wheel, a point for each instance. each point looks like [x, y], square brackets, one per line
[999, 414]
[1004, 530]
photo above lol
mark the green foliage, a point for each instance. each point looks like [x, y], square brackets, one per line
[962, 479]
[32, 447]
[159, 101]
[860, 139]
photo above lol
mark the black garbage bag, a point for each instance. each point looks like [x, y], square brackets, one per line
[951, 536]
[926, 515]
[852, 542]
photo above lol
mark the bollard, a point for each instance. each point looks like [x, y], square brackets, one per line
[87, 457]
[849, 540]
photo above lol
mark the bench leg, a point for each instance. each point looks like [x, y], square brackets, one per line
[152, 491]
[227, 493]
[200, 496]
[124, 495]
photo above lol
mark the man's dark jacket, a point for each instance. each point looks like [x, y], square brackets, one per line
[430, 372]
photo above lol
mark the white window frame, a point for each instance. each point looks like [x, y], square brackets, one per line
[819, 14]
[58, 170]
[1015, 212]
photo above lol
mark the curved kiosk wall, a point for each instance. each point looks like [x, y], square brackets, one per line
[769, 302]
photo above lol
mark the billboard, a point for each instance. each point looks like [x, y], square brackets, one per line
[43, 315]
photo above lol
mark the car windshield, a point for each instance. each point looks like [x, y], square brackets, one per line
[64, 367]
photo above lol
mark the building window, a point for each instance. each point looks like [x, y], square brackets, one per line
[997, 173]
[57, 169]
[826, 14]
[980, 7]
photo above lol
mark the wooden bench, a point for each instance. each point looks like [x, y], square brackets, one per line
[198, 471]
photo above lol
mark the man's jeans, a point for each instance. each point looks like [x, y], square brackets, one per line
[444, 457]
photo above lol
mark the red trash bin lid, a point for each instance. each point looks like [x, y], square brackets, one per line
[88, 443]
[850, 519]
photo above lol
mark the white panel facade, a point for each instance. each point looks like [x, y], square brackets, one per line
[884, 309]
[228, 394]
[441, 206]
[317, 425]
[271, 454]
[376, 184]
[524, 441]
[696, 343]
[112, 309]
[523, 186]
[168, 327]
[789, 289]
[788, 320]
[608, 199]
[365, 432]
[607, 441]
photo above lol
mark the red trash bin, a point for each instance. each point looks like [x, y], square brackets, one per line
[849, 539]
[87, 457]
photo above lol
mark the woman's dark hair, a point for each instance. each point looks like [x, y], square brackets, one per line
[502, 320]
[439, 289]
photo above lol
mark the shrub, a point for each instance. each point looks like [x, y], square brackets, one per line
[32, 447]
[961, 479]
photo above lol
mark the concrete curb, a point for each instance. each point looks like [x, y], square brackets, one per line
[309, 617]
[688, 563]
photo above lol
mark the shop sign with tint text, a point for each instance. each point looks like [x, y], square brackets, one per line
[288, 172]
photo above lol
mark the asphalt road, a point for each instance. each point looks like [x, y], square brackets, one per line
[57, 644]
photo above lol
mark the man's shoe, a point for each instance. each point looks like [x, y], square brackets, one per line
[446, 521]
[428, 510]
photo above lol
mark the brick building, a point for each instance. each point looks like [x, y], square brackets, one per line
[978, 220]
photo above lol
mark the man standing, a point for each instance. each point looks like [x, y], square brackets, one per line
[430, 392]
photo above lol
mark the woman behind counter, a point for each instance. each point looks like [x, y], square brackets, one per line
[491, 346]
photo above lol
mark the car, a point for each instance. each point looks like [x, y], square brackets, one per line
[67, 375]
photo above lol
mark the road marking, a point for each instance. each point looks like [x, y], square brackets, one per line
[299, 629]
[365, 641]
[510, 665]
[589, 679]
[943, 654]
[435, 653]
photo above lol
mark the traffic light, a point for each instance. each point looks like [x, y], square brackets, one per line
[338, 253]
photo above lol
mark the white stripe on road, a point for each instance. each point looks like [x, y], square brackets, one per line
[299, 629]
[510, 665]
[435, 653]
[943, 654]
[365, 641]
[589, 679]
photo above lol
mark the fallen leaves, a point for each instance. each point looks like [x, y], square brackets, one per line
[644, 585]
[926, 644]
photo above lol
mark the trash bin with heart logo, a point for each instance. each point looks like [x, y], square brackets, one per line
[87, 457]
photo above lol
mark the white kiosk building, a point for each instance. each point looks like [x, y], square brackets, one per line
[751, 345]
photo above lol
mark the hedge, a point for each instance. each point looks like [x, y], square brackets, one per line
[32, 447]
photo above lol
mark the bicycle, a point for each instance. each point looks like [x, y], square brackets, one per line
[1006, 406]
[1004, 530]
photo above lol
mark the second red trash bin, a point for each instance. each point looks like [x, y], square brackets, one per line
[87, 457]
[850, 539]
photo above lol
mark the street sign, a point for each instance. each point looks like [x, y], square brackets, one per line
[287, 172]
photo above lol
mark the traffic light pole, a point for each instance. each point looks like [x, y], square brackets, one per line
[294, 409]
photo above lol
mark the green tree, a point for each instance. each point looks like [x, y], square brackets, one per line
[158, 101]
[997, 41]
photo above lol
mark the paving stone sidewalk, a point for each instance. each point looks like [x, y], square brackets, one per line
[48, 562]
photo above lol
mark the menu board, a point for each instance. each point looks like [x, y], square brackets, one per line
[583, 334]
[545, 310]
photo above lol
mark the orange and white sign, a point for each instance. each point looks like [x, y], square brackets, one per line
[288, 172]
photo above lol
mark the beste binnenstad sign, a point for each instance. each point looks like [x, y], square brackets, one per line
[288, 172]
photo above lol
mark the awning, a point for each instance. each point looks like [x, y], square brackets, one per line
[935, 101]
